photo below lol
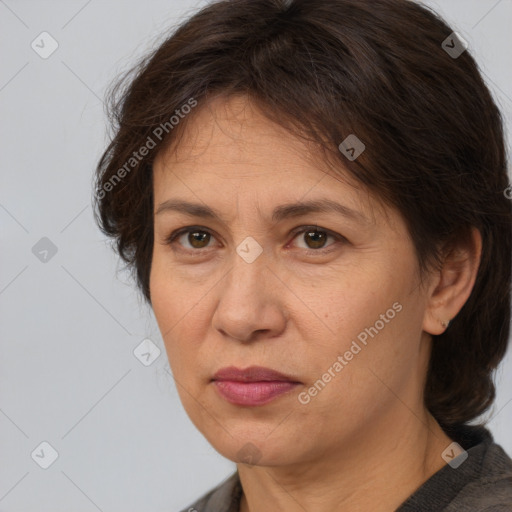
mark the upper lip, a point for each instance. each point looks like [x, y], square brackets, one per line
[251, 374]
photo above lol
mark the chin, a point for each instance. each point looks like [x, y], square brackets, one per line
[252, 446]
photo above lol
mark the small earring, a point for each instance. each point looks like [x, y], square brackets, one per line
[445, 324]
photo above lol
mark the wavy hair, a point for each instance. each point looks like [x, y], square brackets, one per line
[325, 69]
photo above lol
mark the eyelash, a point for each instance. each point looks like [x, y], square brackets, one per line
[170, 240]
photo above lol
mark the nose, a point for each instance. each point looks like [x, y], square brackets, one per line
[251, 301]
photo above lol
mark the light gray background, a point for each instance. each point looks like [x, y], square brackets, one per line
[69, 326]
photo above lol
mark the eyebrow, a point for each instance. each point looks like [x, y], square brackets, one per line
[285, 211]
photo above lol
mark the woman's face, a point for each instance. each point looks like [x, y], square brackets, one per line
[330, 299]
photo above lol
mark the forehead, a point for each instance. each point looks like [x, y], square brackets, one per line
[234, 128]
[228, 145]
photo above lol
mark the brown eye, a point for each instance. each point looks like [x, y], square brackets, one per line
[315, 239]
[194, 239]
[198, 239]
[190, 238]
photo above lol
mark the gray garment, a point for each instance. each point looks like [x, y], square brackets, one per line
[482, 483]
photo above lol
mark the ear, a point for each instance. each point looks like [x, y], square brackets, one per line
[451, 286]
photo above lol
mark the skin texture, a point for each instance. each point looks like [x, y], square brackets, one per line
[365, 441]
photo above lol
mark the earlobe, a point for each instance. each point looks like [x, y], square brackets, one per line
[453, 284]
[435, 325]
[445, 323]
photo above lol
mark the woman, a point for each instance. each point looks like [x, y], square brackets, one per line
[312, 197]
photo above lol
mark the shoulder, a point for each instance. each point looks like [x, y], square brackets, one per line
[491, 490]
[481, 481]
[223, 498]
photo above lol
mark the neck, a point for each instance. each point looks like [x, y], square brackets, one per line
[377, 470]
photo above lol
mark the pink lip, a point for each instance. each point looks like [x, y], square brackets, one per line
[253, 386]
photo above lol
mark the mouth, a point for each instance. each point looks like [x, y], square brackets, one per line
[252, 386]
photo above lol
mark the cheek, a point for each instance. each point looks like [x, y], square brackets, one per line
[163, 301]
[172, 298]
[363, 385]
[169, 307]
[352, 301]
[180, 308]
[373, 324]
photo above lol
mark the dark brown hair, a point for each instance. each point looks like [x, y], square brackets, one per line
[325, 69]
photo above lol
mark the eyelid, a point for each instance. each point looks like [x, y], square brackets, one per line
[170, 240]
[316, 227]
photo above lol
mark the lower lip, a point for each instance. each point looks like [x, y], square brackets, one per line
[252, 393]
